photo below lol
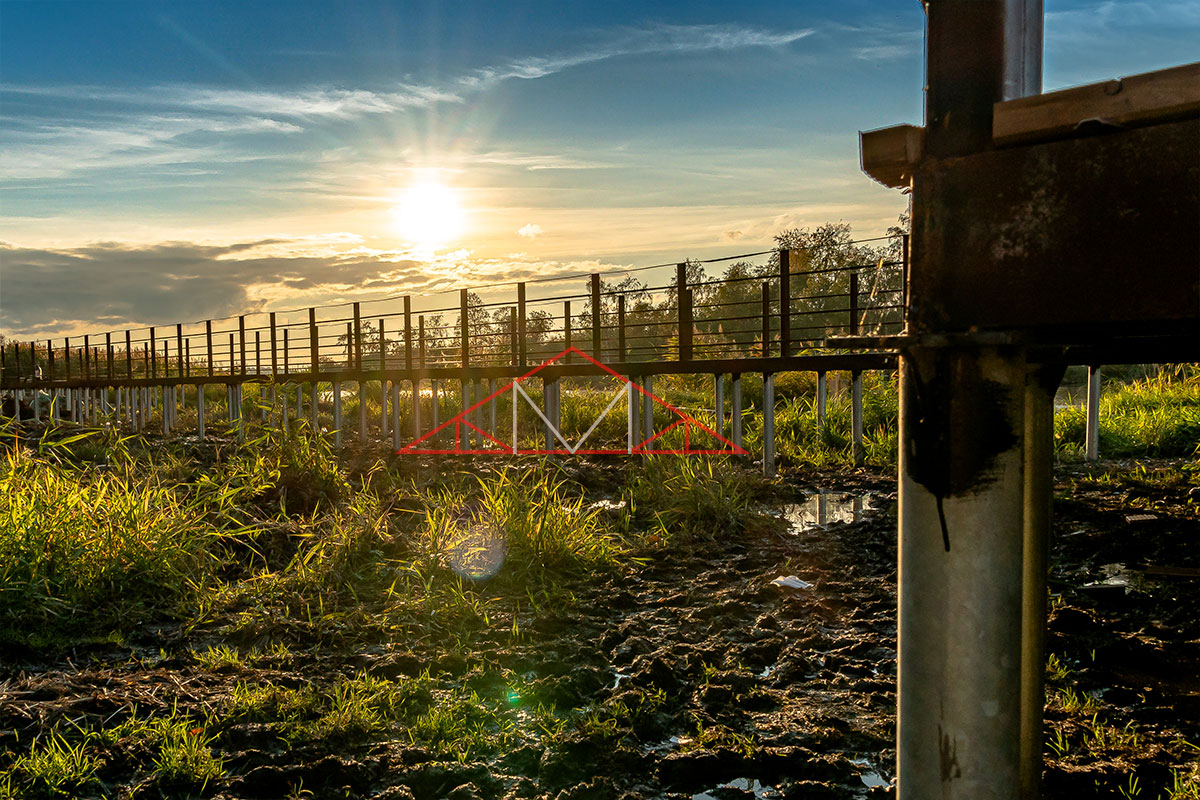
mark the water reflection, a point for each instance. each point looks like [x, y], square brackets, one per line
[825, 508]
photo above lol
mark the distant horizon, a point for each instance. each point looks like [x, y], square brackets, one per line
[165, 162]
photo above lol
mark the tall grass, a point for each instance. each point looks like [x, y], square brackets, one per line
[1157, 416]
[90, 546]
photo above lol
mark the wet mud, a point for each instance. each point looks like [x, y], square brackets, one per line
[695, 675]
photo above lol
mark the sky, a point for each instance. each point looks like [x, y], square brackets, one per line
[177, 161]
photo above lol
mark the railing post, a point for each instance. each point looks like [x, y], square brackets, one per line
[597, 328]
[128, 356]
[242, 345]
[853, 303]
[179, 348]
[208, 341]
[421, 339]
[408, 365]
[512, 332]
[766, 319]
[382, 347]
[274, 358]
[567, 326]
[684, 298]
[904, 278]
[257, 353]
[49, 359]
[621, 328]
[87, 366]
[232, 357]
[357, 339]
[153, 355]
[314, 343]
[464, 329]
[67, 354]
[108, 352]
[521, 324]
[286, 371]
[785, 302]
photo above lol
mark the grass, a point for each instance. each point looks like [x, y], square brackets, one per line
[52, 767]
[1155, 416]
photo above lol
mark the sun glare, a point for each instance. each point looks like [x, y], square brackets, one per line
[429, 215]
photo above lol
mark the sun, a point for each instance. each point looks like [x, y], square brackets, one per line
[429, 215]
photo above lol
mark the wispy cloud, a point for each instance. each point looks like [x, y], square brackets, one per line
[658, 39]
[530, 231]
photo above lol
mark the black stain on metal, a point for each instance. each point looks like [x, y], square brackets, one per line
[958, 423]
[948, 756]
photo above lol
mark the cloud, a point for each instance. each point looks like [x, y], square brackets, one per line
[114, 286]
[657, 39]
[732, 236]
[530, 231]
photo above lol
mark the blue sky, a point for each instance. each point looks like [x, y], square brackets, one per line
[183, 160]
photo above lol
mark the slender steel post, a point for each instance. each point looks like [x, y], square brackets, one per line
[208, 340]
[821, 397]
[597, 327]
[768, 412]
[766, 319]
[684, 298]
[648, 407]
[621, 328]
[1092, 442]
[856, 417]
[736, 421]
[521, 323]
[179, 347]
[357, 338]
[108, 350]
[153, 355]
[567, 328]
[242, 343]
[785, 302]
[337, 414]
[719, 403]
[853, 303]
[464, 329]
[408, 357]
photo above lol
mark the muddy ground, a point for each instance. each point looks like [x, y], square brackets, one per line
[693, 676]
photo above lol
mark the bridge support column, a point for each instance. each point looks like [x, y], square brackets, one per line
[200, 410]
[314, 396]
[1093, 414]
[492, 406]
[283, 410]
[383, 408]
[736, 411]
[337, 414]
[362, 411]
[856, 418]
[975, 433]
[648, 407]
[822, 385]
[719, 404]
[416, 401]
[768, 412]
[437, 411]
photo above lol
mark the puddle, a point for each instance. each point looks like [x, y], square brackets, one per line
[825, 508]
[745, 784]
[871, 779]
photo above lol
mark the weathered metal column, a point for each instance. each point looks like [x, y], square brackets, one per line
[736, 410]
[719, 403]
[768, 412]
[856, 417]
[973, 441]
[648, 407]
[1093, 413]
[200, 410]
[337, 414]
[821, 397]
[962, 498]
